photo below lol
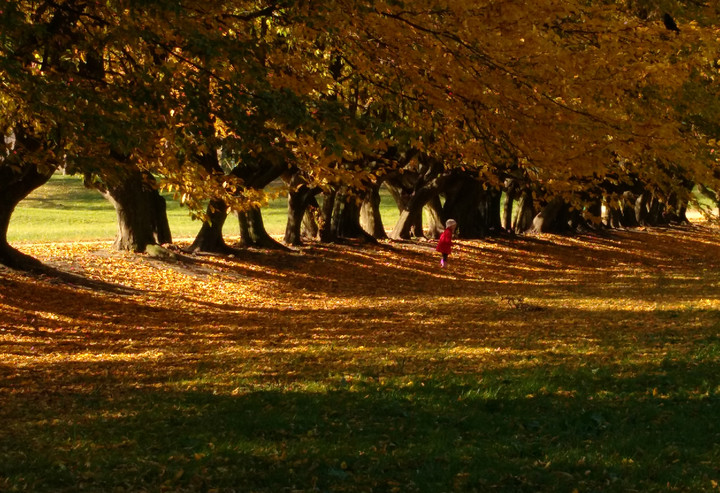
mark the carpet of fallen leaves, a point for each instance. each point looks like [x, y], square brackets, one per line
[157, 315]
[345, 315]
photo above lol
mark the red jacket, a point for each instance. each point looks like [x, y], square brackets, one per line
[444, 244]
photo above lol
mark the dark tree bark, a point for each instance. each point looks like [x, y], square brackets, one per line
[593, 213]
[210, 237]
[641, 208]
[628, 218]
[310, 227]
[656, 210]
[402, 194]
[299, 199]
[344, 217]
[490, 212]
[507, 208]
[17, 180]
[436, 225]
[476, 210]
[252, 226]
[140, 209]
[15, 186]
[613, 212]
[550, 218]
[462, 202]
[253, 232]
[525, 214]
[410, 220]
[327, 233]
[370, 218]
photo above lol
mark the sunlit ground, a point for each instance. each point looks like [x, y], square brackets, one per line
[531, 363]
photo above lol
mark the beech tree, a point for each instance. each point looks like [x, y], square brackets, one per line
[560, 105]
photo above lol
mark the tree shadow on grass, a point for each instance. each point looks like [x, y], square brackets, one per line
[55, 275]
[509, 430]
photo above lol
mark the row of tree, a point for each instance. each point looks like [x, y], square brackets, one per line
[560, 107]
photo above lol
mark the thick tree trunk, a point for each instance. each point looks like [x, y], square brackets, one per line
[628, 218]
[345, 219]
[682, 213]
[140, 210]
[507, 211]
[13, 188]
[656, 212]
[525, 214]
[210, 237]
[253, 232]
[370, 218]
[298, 202]
[612, 217]
[436, 225]
[491, 212]
[409, 215]
[327, 233]
[593, 213]
[512, 193]
[17, 180]
[410, 220]
[548, 220]
[641, 209]
[462, 204]
[310, 227]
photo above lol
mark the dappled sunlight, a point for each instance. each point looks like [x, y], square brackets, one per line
[292, 354]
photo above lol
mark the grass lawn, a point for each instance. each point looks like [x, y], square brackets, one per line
[64, 210]
[531, 364]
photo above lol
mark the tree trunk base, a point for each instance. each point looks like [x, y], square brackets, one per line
[15, 259]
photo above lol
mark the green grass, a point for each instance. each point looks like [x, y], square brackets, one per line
[64, 210]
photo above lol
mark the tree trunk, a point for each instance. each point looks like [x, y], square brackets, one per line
[13, 188]
[628, 218]
[298, 202]
[641, 209]
[345, 221]
[17, 180]
[463, 204]
[655, 212]
[436, 225]
[253, 232]
[327, 233]
[525, 214]
[507, 210]
[490, 212]
[612, 217]
[512, 193]
[548, 220]
[593, 214]
[410, 220]
[210, 237]
[370, 218]
[310, 227]
[140, 210]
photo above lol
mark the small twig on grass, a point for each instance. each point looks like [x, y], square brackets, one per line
[519, 303]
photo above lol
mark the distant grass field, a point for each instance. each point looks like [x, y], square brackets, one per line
[64, 210]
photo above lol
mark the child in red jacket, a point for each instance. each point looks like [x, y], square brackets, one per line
[444, 244]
